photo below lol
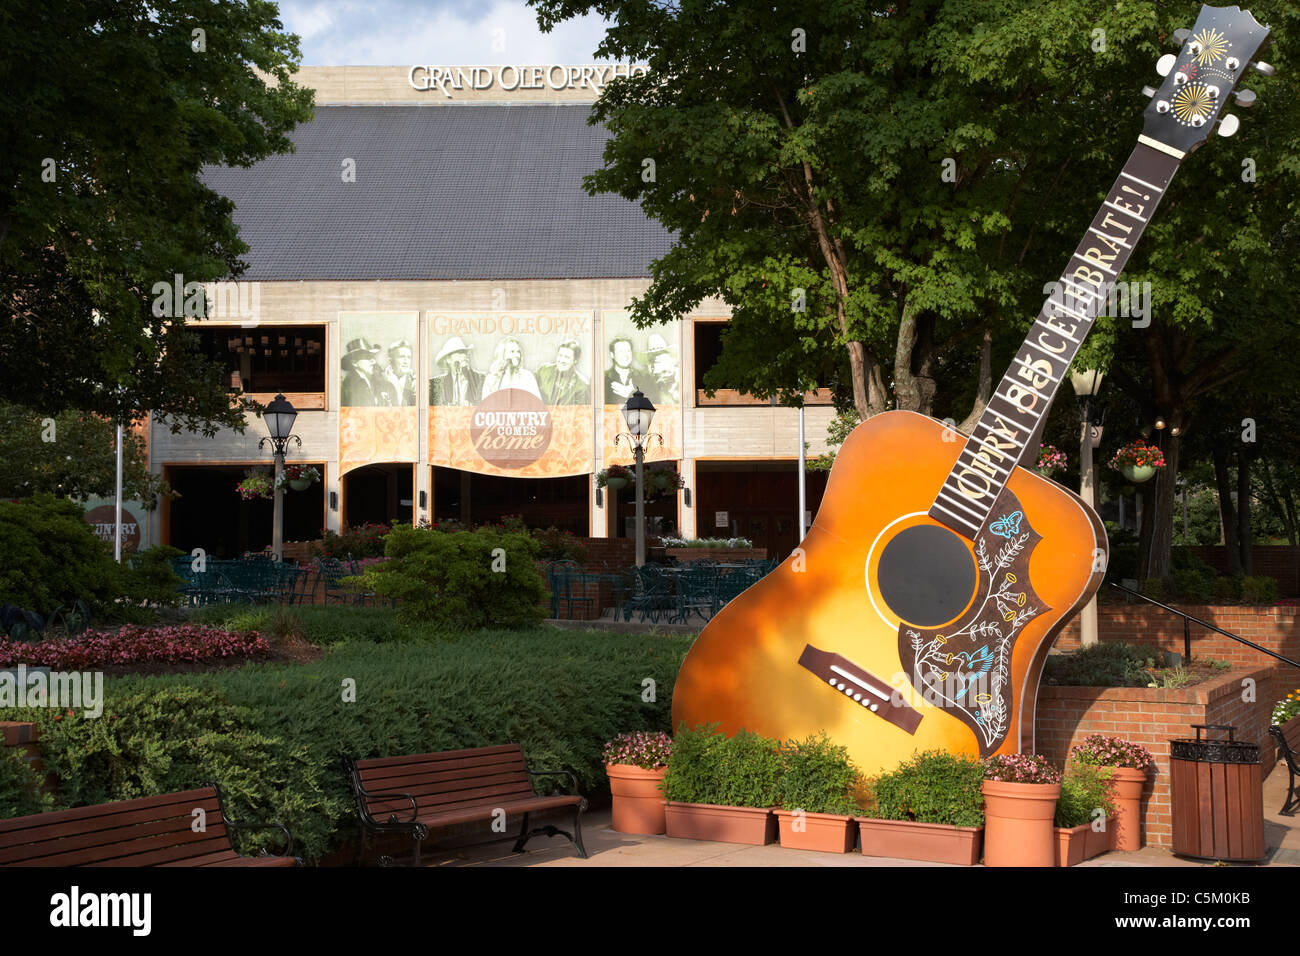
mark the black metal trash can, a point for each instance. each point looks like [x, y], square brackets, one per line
[1217, 797]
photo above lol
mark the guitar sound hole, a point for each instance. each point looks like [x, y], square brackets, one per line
[926, 575]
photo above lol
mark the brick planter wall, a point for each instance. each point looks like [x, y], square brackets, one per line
[1276, 628]
[721, 555]
[1152, 717]
[24, 735]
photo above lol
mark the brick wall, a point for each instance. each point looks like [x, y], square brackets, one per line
[23, 736]
[1152, 717]
[1276, 628]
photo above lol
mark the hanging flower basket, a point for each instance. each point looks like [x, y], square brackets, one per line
[662, 483]
[614, 477]
[1050, 460]
[1137, 461]
[256, 484]
[298, 477]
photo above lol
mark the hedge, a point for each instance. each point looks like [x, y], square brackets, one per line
[274, 734]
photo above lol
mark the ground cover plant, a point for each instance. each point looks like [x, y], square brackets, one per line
[273, 734]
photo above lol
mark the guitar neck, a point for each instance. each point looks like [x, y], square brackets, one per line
[1007, 431]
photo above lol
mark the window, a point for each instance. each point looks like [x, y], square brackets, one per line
[283, 358]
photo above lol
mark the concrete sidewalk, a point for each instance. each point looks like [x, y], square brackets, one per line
[606, 847]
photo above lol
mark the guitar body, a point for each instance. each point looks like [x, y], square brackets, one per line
[800, 651]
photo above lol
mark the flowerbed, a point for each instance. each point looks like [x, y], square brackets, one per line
[132, 645]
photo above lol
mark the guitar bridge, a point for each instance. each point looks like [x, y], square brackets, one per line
[861, 687]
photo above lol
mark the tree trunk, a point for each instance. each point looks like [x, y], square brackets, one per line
[1285, 510]
[1227, 514]
[1244, 541]
[1158, 513]
[985, 389]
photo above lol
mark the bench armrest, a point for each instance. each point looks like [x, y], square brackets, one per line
[562, 773]
[235, 825]
[362, 794]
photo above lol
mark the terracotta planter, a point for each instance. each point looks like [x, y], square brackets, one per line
[1018, 823]
[930, 842]
[1126, 787]
[827, 832]
[1071, 844]
[1096, 843]
[638, 802]
[705, 821]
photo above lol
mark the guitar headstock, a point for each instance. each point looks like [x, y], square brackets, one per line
[1202, 75]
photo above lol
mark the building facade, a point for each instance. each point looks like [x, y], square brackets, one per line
[432, 289]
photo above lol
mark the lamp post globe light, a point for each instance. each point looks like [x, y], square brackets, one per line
[279, 416]
[639, 412]
[1087, 383]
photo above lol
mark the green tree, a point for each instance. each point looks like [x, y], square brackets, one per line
[70, 455]
[111, 109]
[883, 190]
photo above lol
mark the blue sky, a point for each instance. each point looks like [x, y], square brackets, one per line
[405, 32]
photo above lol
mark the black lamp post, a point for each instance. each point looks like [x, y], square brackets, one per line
[279, 416]
[1087, 384]
[639, 413]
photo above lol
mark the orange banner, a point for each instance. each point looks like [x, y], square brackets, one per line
[369, 434]
[456, 442]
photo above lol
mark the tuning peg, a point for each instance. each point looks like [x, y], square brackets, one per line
[1245, 98]
[1228, 125]
[1262, 68]
[1148, 91]
[1180, 35]
[1166, 63]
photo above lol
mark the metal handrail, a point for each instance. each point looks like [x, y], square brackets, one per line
[1187, 628]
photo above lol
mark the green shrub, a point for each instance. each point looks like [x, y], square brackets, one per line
[1084, 788]
[20, 786]
[150, 579]
[931, 787]
[1194, 584]
[1259, 590]
[557, 545]
[818, 777]
[1227, 589]
[1153, 588]
[1101, 665]
[707, 766]
[461, 580]
[274, 735]
[51, 557]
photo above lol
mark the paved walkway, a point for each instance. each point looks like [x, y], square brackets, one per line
[606, 847]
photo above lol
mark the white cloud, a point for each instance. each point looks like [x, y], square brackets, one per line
[399, 33]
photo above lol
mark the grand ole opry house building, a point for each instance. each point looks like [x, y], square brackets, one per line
[432, 289]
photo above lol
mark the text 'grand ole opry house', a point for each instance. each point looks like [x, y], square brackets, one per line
[432, 289]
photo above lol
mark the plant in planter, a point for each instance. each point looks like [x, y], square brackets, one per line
[297, 477]
[817, 784]
[256, 484]
[1020, 793]
[929, 808]
[1287, 707]
[614, 477]
[1050, 460]
[1131, 762]
[722, 788]
[662, 483]
[1138, 461]
[635, 763]
[1081, 831]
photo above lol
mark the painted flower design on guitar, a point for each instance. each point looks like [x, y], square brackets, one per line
[965, 667]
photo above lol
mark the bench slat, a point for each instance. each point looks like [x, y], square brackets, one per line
[206, 798]
[159, 833]
[39, 830]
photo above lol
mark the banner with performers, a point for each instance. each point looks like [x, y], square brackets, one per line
[649, 361]
[378, 388]
[510, 392]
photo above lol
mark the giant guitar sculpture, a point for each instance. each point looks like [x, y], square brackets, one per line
[940, 569]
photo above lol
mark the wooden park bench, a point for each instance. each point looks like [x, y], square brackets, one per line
[150, 831]
[413, 794]
[1288, 746]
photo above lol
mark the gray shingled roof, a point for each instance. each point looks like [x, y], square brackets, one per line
[447, 192]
